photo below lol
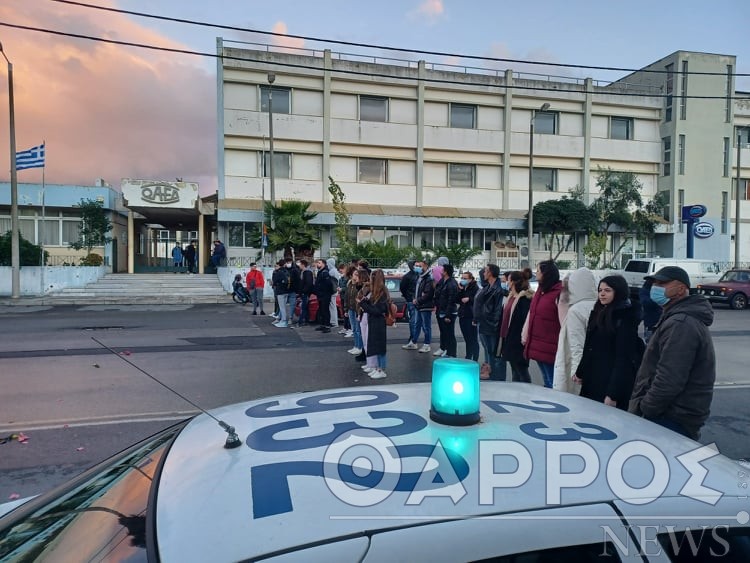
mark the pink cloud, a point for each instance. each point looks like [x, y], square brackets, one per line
[106, 111]
[430, 10]
[290, 44]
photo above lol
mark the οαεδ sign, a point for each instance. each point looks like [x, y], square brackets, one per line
[693, 212]
[703, 230]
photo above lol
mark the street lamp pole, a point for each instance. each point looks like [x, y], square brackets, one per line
[15, 258]
[737, 207]
[271, 79]
[530, 226]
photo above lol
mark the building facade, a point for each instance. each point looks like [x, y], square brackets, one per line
[429, 154]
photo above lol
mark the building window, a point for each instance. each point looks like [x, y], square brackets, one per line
[372, 108]
[726, 157]
[669, 92]
[680, 205]
[463, 116]
[724, 213]
[281, 164]
[621, 128]
[461, 175]
[281, 99]
[544, 179]
[681, 155]
[71, 232]
[743, 133]
[667, 205]
[683, 90]
[728, 108]
[372, 170]
[666, 161]
[545, 122]
[744, 189]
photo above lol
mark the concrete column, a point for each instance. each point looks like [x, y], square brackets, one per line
[586, 162]
[419, 180]
[507, 118]
[327, 65]
[131, 243]
[201, 243]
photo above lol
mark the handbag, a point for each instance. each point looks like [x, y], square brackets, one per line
[390, 316]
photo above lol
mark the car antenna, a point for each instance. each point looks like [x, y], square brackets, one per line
[233, 440]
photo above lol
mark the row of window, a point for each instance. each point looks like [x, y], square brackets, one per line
[375, 171]
[742, 133]
[460, 116]
[49, 232]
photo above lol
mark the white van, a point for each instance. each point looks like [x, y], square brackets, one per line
[700, 271]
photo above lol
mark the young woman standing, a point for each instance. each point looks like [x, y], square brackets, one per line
[543, 323]
[467, 290]
[515, 311]
[375, 306]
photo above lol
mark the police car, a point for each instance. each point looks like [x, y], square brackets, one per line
[448, 471]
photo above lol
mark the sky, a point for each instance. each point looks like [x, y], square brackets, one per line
[113, 112]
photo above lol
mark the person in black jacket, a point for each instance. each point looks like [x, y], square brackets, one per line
[408, 288]
[515, 311]
[282, 288]
[305, 289]
[447, 310]
[488, 308]
[467, 291]
[607, 370]
[323, 290]
[424, 301]
[651, 311]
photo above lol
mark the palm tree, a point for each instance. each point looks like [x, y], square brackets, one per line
[292, 231]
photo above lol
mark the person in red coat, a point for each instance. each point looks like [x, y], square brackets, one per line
[543, 323]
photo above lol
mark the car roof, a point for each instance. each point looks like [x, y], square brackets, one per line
[284, 490]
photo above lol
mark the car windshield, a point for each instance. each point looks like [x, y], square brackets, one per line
[103, 517]
[393, 285]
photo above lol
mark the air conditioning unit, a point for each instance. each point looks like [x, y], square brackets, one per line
[525, 251]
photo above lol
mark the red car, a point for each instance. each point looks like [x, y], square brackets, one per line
[733, 289]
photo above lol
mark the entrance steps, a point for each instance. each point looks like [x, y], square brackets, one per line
[144, 289]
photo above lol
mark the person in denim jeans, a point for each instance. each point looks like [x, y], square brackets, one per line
[488, 309]
[424, 301]
[349, 297]
[408, 288]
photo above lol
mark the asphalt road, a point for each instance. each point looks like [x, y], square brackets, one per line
[79, 402]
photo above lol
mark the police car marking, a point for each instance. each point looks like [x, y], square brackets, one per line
[538, 406]
[569, 434]
[264, 439]
[315, 404]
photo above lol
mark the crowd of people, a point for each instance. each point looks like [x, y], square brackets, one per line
[583, 333]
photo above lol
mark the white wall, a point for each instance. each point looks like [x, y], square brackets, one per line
[56, 278]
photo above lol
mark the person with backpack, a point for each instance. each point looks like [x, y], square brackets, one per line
[610, 353]
[305, 290]
[295, 281]
[323, 290]
[282, 286]
[408, 288]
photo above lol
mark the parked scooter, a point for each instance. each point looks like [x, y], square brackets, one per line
[239, 293]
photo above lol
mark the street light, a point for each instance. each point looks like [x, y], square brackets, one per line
[530, 226]
[15, 259]
[271, 79]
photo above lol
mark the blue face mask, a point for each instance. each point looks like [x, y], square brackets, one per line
[463, 282]
[658, 295]
[504, 285]
[418, 269]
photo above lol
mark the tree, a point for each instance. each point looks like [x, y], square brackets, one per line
[620, 207]
[94, 226]
[457, 254]
[377, 255]
[28, 252]
[560, 216]
[341, 215]
[292, 231]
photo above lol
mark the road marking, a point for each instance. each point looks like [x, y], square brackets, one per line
[731, 385]
[36, 425]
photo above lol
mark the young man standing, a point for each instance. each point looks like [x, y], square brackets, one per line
[424, 301]
[282, 285]
[306, 288]
[255, 284]
[323, 290]
[408, 288]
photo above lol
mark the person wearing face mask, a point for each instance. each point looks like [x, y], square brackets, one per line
[424, 300]
[447, 310]
[674, 385]
[467, 291]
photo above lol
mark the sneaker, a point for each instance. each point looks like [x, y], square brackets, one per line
[444, 354]
[255, 312]
[367, 368]
[342, 331]
[325, 330]
[410, 346]
[274, 316]
[319, 328]
[281, 325]
[355, 351]
[439, 352]
[425, 348]
[349, 334]
[275, 323]
[262, 312]
[377, 374]
[361, 357]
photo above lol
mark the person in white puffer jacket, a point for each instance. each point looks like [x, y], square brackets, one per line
[577, 298]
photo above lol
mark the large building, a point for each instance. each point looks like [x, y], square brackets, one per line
[431, 153]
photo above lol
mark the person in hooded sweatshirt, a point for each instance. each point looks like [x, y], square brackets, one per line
[675, 383]
[577, 298]
[332, 307]
[607, 368]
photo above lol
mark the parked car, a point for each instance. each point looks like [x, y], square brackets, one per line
[732, 289]
[700, 271]
[379, 474]
[393, 283]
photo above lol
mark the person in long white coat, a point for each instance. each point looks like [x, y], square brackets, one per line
[577, 298]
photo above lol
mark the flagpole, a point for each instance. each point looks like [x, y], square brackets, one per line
[44, 222]
[15, 254]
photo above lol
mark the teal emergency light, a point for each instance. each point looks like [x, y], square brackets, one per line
[455, 392]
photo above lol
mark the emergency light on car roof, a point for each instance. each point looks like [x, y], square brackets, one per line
[455, 392]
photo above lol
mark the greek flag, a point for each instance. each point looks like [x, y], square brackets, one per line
[32, 158]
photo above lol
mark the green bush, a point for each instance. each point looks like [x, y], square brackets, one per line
[92, 259]
[28, 252]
